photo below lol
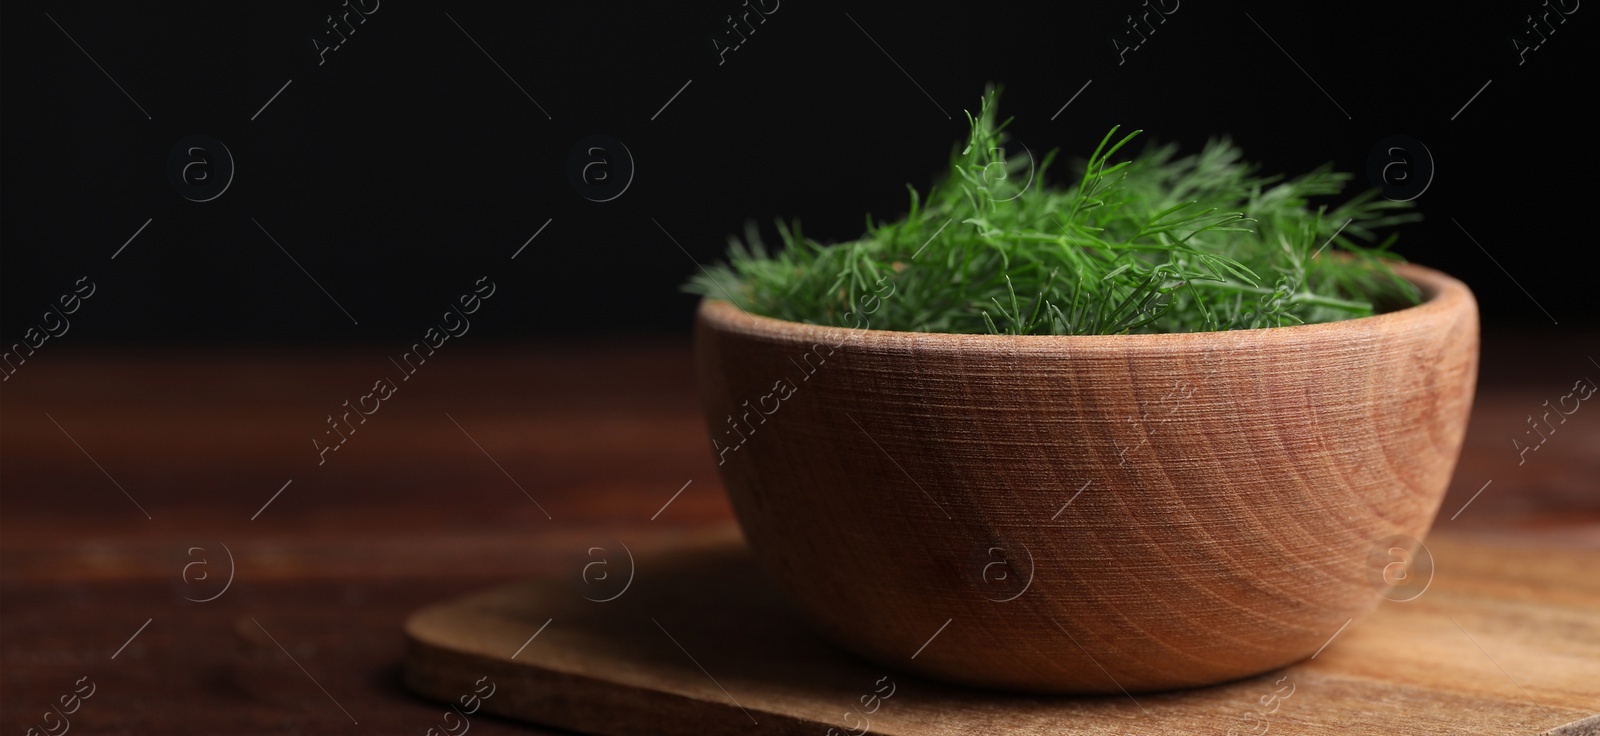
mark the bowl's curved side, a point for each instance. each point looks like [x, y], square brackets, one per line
[1177, 509]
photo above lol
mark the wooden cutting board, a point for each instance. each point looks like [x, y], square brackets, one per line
[1506, 640]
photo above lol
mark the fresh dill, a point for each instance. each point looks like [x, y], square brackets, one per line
[1151, 243]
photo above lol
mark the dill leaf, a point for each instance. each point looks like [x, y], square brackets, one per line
[1149, 243]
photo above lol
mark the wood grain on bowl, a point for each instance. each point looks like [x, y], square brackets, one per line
[1171, 510]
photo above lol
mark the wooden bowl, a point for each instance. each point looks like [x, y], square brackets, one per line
[1089, 514]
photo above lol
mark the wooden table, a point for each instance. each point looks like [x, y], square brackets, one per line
[129, 479]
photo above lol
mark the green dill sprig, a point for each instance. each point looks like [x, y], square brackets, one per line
[1151, 243]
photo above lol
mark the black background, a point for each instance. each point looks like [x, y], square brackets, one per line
[408, 165]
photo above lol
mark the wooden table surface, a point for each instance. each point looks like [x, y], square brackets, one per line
[128, 479]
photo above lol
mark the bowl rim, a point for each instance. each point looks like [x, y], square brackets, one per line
[1443, 294]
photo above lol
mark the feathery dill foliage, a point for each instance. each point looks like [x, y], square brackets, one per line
[1152, 244]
